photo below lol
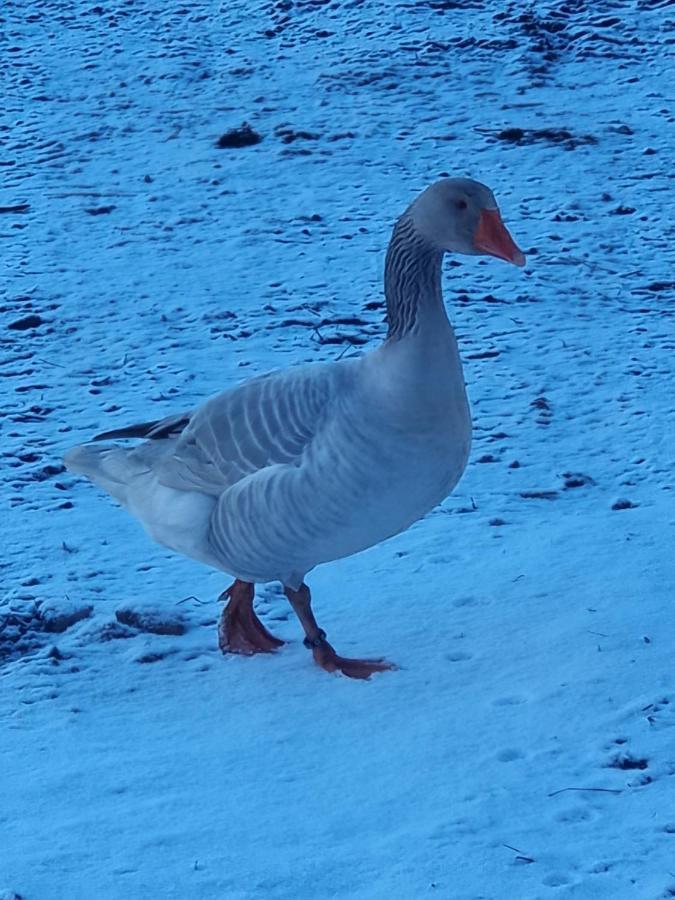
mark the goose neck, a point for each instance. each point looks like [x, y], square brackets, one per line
[412, 282]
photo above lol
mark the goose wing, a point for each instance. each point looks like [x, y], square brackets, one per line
[266, 421]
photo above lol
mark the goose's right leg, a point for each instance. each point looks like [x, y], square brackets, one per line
[315, 640]
[240, 630]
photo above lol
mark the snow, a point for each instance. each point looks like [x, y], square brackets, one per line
[525, 747]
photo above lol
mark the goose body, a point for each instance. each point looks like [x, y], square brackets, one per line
[309, 464]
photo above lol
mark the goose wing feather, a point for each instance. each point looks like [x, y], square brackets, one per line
[267, 421]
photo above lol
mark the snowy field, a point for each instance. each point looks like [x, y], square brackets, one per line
[525, 749]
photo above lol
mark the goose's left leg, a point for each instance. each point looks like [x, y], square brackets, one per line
[315, 640]
[240, 630]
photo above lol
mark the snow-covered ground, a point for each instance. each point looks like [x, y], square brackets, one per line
[525, 748]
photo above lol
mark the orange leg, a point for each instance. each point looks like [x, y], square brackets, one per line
[315, 640]
[240, 630]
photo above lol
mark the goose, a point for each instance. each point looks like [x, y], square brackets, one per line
[315, 462]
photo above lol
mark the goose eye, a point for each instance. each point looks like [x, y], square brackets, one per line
[461, 204]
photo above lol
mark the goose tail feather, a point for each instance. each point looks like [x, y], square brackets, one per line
[111, 468]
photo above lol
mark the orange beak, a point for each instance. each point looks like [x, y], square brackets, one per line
[493, 238]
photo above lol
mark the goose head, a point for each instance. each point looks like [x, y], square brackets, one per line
[459, 215]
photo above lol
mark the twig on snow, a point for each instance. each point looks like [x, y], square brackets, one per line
[192, 597]
[600, 790]
[520, 857]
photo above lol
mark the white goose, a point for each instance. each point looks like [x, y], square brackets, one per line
[309, 464]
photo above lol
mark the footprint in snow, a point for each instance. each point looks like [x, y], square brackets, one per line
[509, 700]
[510, 754]
[573, 815]
[460, 656]
[555, 879]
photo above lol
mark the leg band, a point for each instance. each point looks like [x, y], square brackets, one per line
[310, 643]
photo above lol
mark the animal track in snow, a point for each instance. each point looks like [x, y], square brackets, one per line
[510, 754]
[459, 656]
[509, 700]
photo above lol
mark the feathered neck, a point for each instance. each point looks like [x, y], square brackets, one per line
[412, 281]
